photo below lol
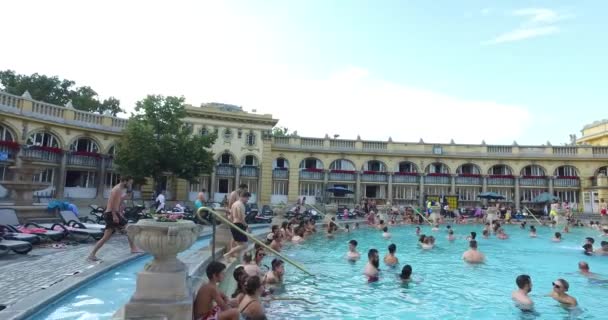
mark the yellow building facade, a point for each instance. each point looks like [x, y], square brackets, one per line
[75, 150]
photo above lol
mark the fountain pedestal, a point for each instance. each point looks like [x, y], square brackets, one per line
[162, 289]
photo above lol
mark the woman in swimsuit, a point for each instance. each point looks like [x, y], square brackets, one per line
[250, 307]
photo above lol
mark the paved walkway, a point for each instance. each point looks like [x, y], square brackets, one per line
[43, 267]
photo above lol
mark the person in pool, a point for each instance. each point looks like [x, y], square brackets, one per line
[473, 255]
[603, 251]
[588, 249]
[385, 233]
[421, 239]
[520, 296]
[532, 232]
[251, 307]
[251, 268]
[390, 259]
[372, 268]
[298, 235]
[501, 234]
[472, 236]
[557, 237]
[560, 287]
[210, 302]
[417, 231]
[435, 227]
[583, 268]
[275, 276]
[451, 236]
[485, 234]
[406, 273]
[428, 243]
[352, 253]
[522, 225]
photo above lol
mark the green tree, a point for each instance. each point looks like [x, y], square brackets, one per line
[157, 141]
[283, 132]
[57, 91]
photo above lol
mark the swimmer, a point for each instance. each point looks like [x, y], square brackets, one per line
[390, 259]
[298, 236]
[603, 251]
[486, 234]
[473, 255]
[522, 225]
[406, 273]
[417, 231]
[435, 227]
[421, 239]
[429, 243]
[275, 276]
[347, 228]
[588, 249]
[532, 232]
[352, 253]
[590, 241]
[557, 237]
[566, 229]
[472, 236]
[560, 287]
[520, 296]
[583, 269]
[356, 225]
[372, 268]
[451, 236]
[381, 225]
[605, 234]
[501, 234]
[385, 233]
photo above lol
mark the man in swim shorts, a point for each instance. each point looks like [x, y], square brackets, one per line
[352, 253]
[210, 302]
[372, 268]
[472, 255]
[238, 219]
[520, 296]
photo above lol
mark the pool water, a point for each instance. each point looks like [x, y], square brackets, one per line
[445, 287]
[101, 298]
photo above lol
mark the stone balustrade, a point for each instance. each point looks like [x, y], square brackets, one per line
[501, 181]
[533, 182]
[342, 176]
[566, 183]
[83, 161]
[280, 174]
[468, 180]
[376, 177]
[225, 170]
[40, 155]
[249, 171]
[405, 179]
[311, 175]
[436, 180]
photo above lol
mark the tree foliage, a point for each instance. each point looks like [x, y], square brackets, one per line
[283, 132]
[157, 141]
[57, 91]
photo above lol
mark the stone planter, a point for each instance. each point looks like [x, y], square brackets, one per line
[162, 286]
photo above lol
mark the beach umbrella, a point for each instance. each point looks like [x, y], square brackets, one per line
[545, 197]
[490, 195]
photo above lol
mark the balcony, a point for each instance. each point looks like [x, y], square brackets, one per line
[109, 163]
[533, 182]
[566, 182]
[225, 170]
[468, 181]
[436, 180]
[342, 176]
[82, 160]
[501, 181]
[9, 151]
[250, 171]
[397, 178]
[374, 177]
[311, 175]
[51, 156]
[280, 174]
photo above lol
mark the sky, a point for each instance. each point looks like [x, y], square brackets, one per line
[468, 70]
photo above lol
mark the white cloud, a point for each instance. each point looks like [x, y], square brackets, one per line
[538, 22]
[522, 34]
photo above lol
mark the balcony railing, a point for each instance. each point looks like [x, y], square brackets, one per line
[501, 181]
[380, 177]
[10, 152]
[311, 175]
[600, 151]
[311, 142]
[281, 140]
[533, 182]
[82, 161]
[342, 176]
[41, 155]
[342, 144]
[436, 180]
[405, 179]
[280, 174]
[249, 171]
[469, 180]
[225, 170]
[568, 183]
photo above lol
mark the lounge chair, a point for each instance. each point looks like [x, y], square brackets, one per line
[10, 223]
[20, 247]
[71, 220]
[75, 229]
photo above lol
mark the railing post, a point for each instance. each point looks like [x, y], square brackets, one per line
[213, 236]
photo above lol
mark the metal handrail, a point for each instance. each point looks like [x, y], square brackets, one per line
[532, 214]
[420, 214]
[248, 235]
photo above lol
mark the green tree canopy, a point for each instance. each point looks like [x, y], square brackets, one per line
[57, 91]
[283, 132]
[157, 141]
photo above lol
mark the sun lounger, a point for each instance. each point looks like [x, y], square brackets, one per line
[29, 232]
[77, 231]
[71, 220]
[20, 247]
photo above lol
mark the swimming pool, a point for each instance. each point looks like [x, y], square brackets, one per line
[102, 297]
[445, 287]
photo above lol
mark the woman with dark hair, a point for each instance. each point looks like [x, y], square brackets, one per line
[406, 273]
[250, 307]
[240, 276]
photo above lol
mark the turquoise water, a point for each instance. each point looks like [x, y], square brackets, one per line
[445, 288]
[101, 298]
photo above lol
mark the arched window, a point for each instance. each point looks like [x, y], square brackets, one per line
[533, 171]
[226, 159]
[500, 170]
[437, 167]
[84, 145]
[5, 134]
[406, 166]
[281, 163]
[342, 164]
[43, 139]
[311, 163]
[374, 165]
[468, 168]
[250, 139]
[566, 171]
[250, 160]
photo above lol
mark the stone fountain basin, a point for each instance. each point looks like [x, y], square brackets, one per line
[24, 186]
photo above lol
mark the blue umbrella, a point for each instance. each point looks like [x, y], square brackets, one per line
[545, 197]
[490, 195]
[339, 190]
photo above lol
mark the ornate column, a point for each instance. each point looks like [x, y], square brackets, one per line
[325, 182]
[237, 177]
[421, 191]
[551, 179]
[453, 184]
[358, 194]
[517, 196]
[484, 183]
[212, 186]
[61, 176]
[390, 188]
[101, 178]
